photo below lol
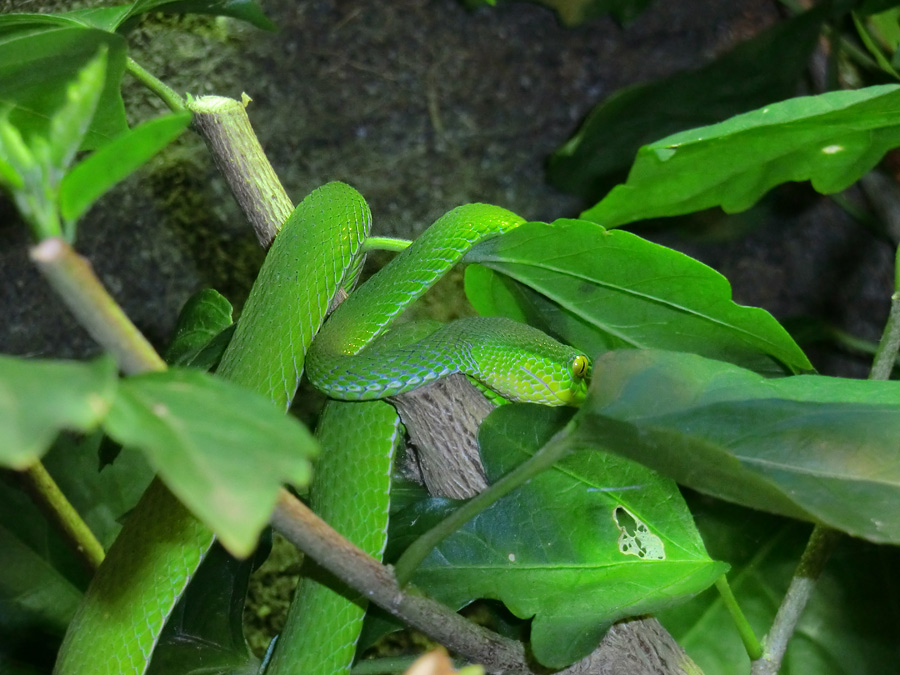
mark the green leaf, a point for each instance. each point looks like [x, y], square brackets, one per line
[223, 451]
[869, 41]
[831, 139]
[114, 161]
[19, 167]
[632, 548]
[759, 71]
[811, 447]
[204, 316]
[104, 18]
[606, 289]
[33, 596]
[38, 60]
[205, 631]
[9, 176]
[123, 17]
[842, 631]
[69, 124]
[38, 399]
[43, 579]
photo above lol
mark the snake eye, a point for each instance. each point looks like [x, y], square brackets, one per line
[580, 365]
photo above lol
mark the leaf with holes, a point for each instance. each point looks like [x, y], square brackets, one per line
[590, 541]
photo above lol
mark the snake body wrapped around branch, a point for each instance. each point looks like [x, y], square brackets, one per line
[313, 256]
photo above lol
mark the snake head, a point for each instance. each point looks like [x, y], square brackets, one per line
[580, 369]
[548, 379]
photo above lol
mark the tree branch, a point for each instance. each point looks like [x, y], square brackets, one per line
[225, 127]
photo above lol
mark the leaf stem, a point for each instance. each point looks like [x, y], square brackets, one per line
[45, 493]
[543, 459]
[74, 281]
[168, 95]
[886, 354]
[748, 637]
[818, 549]
[823, 540]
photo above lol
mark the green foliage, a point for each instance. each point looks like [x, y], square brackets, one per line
[831, 139]
[37, 161]
[812, 447]
[40, 61]
[87, 181]
[42, 579]
[755, 73]
[42, 398]
[847, 627]
[123, 17]
[203, 318]
[36, 171]
[683, 394]
[603, 289]
[195, 430]
[206, 630]
[631, 549]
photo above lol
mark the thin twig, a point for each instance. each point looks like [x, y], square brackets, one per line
[748, 637]
[823, 539]
[74, 281]
[240, 158]
[303, 528]
[886, 355]
[818, 549]
[165, 92]
[45, 493]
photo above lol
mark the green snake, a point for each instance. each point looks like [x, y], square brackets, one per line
[147, 569]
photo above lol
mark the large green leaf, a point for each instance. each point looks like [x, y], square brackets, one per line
[205, 631]
[224, 451]
[35, 163]
[116, 160]
[40, 57]
[588, 542]
[606, 289]
[764, 69]
[42, 579]
[831, 139]
[204, 316]
[812, 447]
[849, 627]
[38, 399]
[33, 597]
